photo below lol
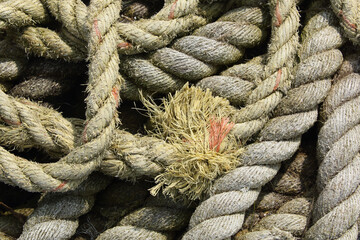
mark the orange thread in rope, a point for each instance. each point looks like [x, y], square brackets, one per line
[218, 132]
[84, 137]
[352, 25]
[97, 31]
[61, 185]
[278, 78]
[115, 93]
[277, 14]
[124, 45]
[9, 122]
[172, 10]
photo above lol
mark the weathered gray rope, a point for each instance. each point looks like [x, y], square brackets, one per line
[223, 42]
[348, 13]
[111, 205]
[282, 209]
[267, 93]
[290, 121]
[56, 215]
[19, 13]
[156, 220]
[336, 212]
[291, 217]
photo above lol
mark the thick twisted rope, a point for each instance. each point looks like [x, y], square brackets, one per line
[336, 210]
[240, 187]
[29, 125]
[223, 42]
[19, 13]
[48, 80]
[144, 35]
[156, 220]
[47, 43]
[56, 215]
[348, 12]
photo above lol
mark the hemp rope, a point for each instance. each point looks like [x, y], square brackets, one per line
[336, 212]
[47, 80]
[223, 41]
[56, 215]
[156, 220]
[239, 188]
[348, 12]
[20, 13]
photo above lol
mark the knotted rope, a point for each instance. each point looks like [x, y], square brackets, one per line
[336, 210]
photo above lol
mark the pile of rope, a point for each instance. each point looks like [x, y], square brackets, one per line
[179, 119]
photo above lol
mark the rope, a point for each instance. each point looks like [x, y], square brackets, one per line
[100, 115]
[111, 205]
[56, 215]
[47, 43]
[20, 13]
[128, 156]
[223, 42]
[156, 220]
[281, 209]
[173, 19]
[348, 14]
[336, 212]
[233, 193]
[48, 80]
